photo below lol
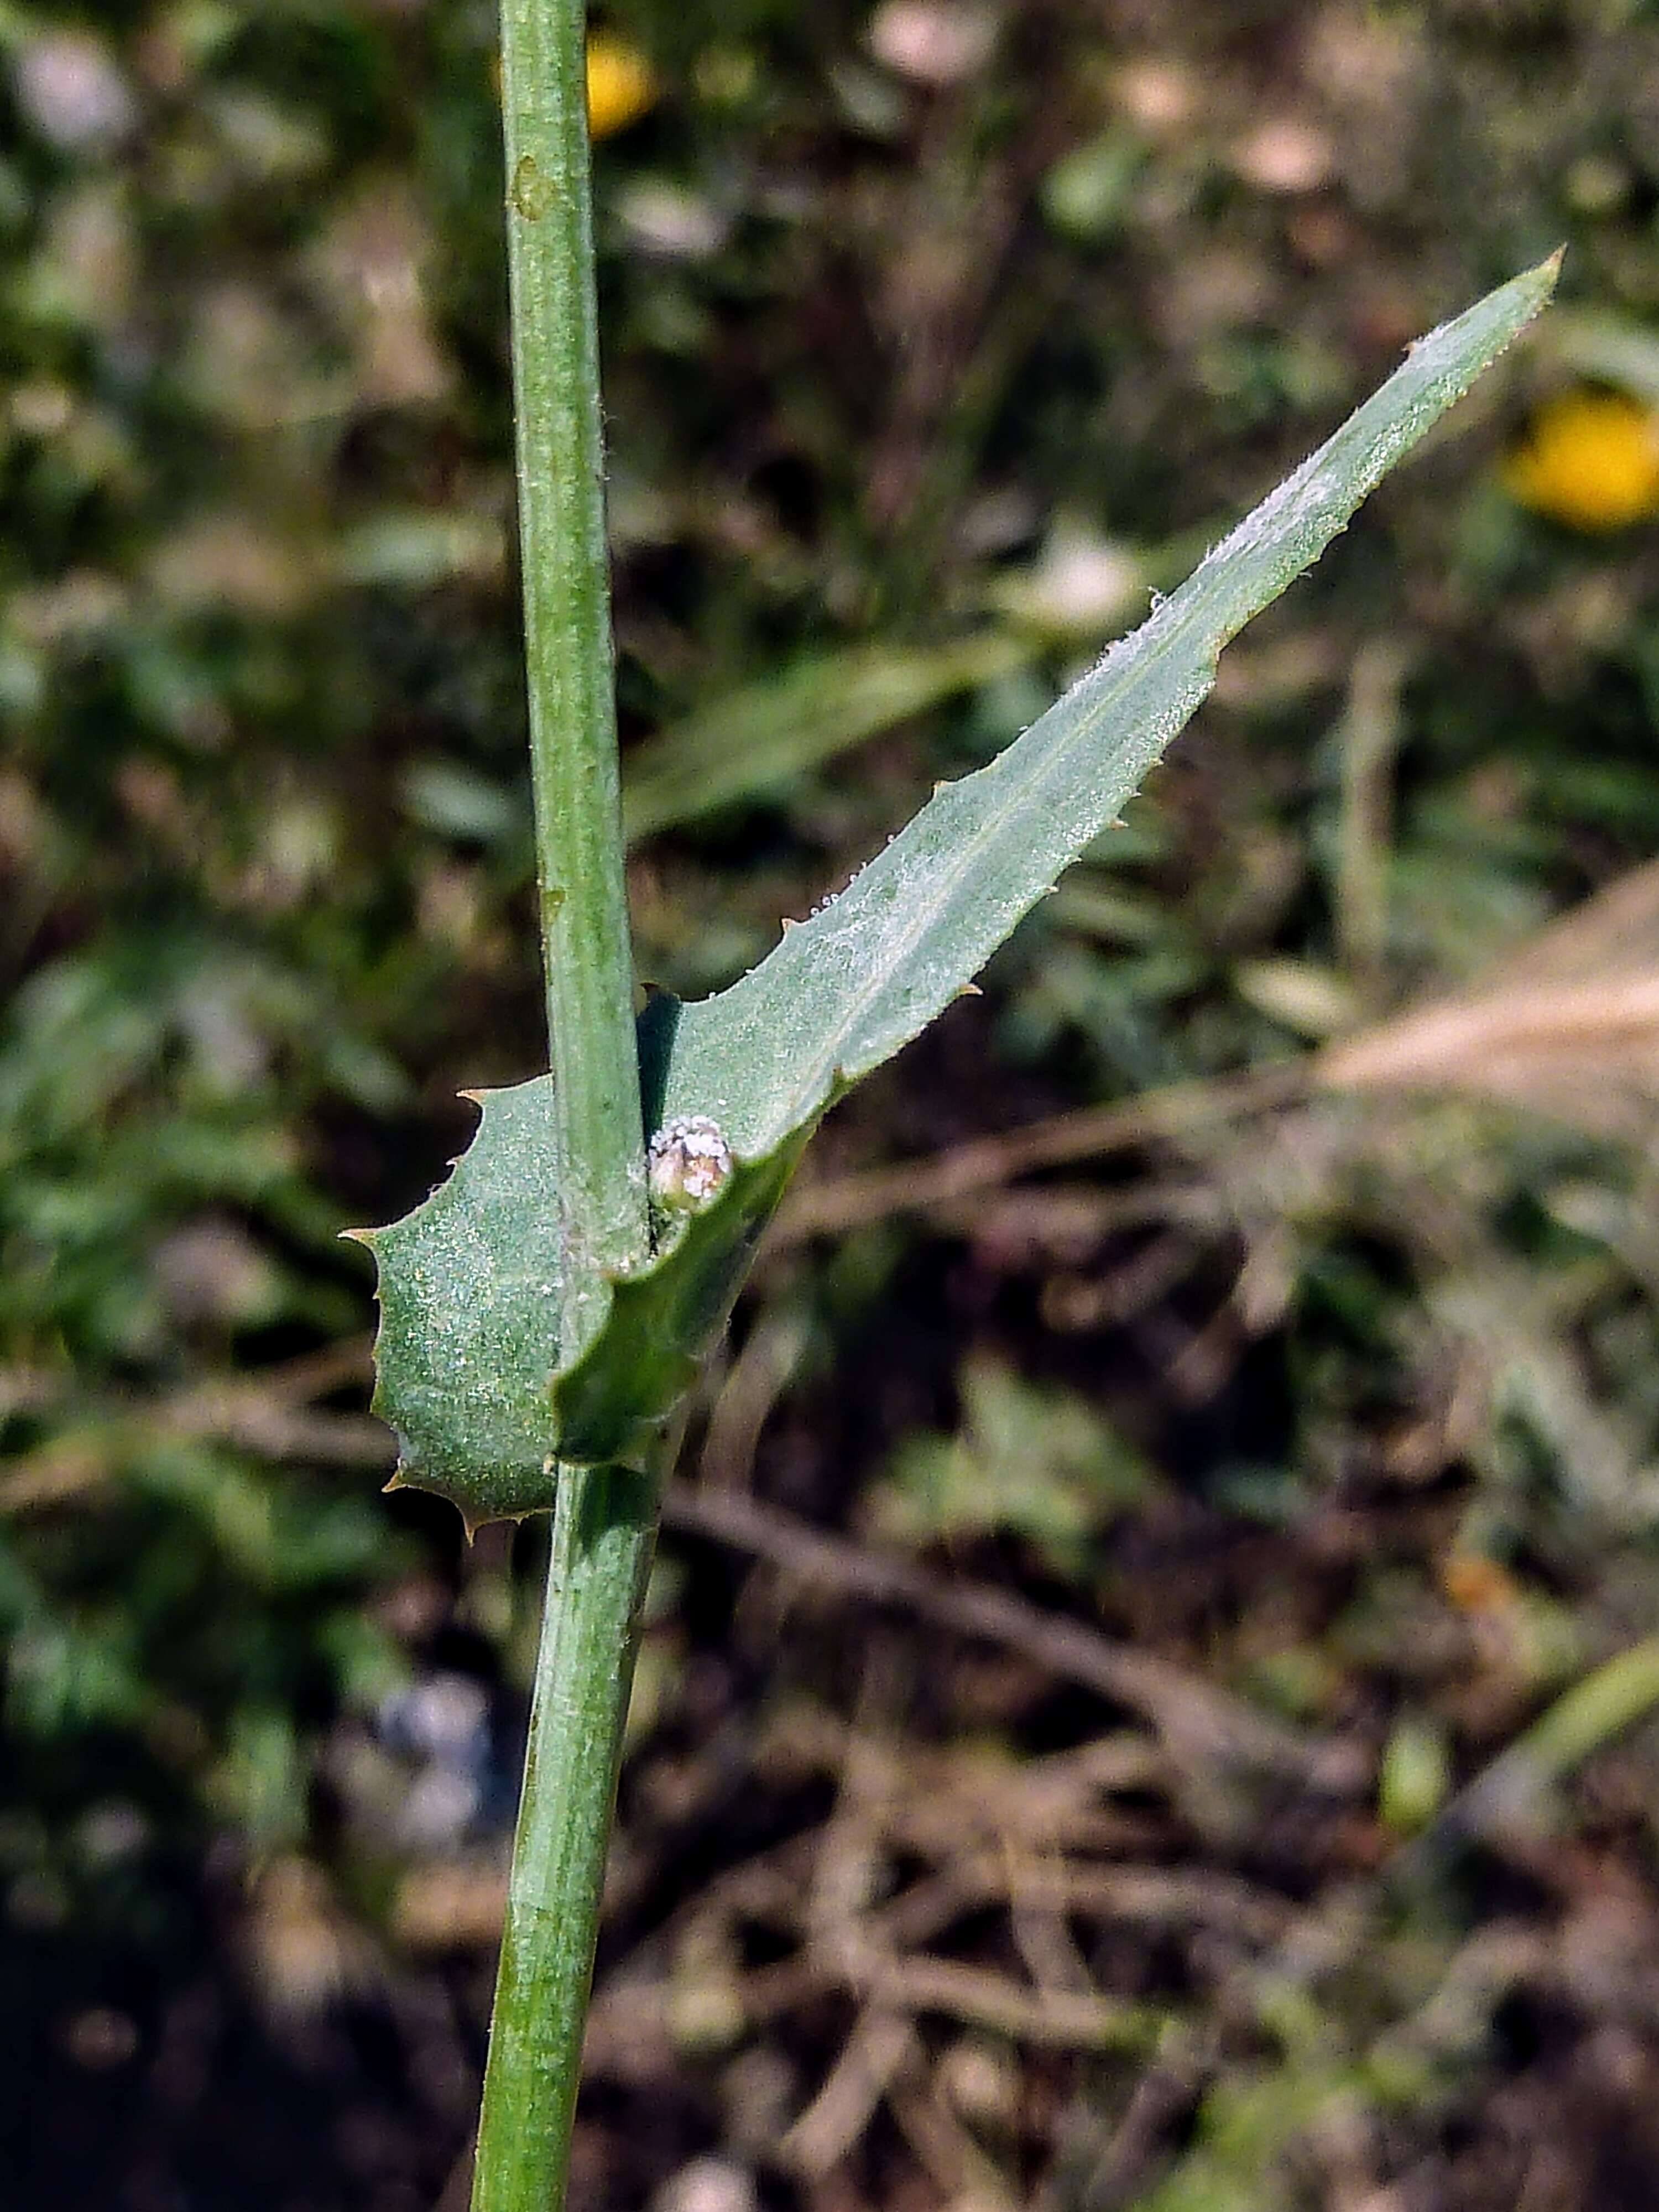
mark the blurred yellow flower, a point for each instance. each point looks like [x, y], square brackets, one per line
[620, 85]
[1591, 461]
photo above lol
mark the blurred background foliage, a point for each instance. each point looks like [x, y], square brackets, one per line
[1145, 1698]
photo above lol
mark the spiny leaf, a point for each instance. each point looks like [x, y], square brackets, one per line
[472, 1283]
[471, 1290]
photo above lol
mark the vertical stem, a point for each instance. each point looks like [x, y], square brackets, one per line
[603, 1532]
[573, 727]
[604, 1523]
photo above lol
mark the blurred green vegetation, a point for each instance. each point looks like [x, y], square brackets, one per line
[935, 339]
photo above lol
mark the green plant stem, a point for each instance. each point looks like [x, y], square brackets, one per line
[604, 1529]
[568, 648]
[604, 1523]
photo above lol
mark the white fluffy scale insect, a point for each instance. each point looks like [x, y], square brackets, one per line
[686, 1162]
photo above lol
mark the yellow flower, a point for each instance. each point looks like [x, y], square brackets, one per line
[621, 86]
[1591, 462]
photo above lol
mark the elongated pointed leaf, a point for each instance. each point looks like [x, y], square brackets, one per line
[844, 991]
[470, 1276]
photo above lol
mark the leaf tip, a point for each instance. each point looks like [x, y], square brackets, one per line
[366, 1236]
[1537, 285]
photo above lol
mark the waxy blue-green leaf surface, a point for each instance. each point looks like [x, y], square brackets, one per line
[468, 1281]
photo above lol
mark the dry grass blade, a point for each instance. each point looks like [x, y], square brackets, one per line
[882, 2042]
[845, 1202]
[1569, 1025]
[268, 1415]
[1208, 1734]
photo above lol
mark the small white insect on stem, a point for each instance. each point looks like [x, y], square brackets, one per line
[687, 1161]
